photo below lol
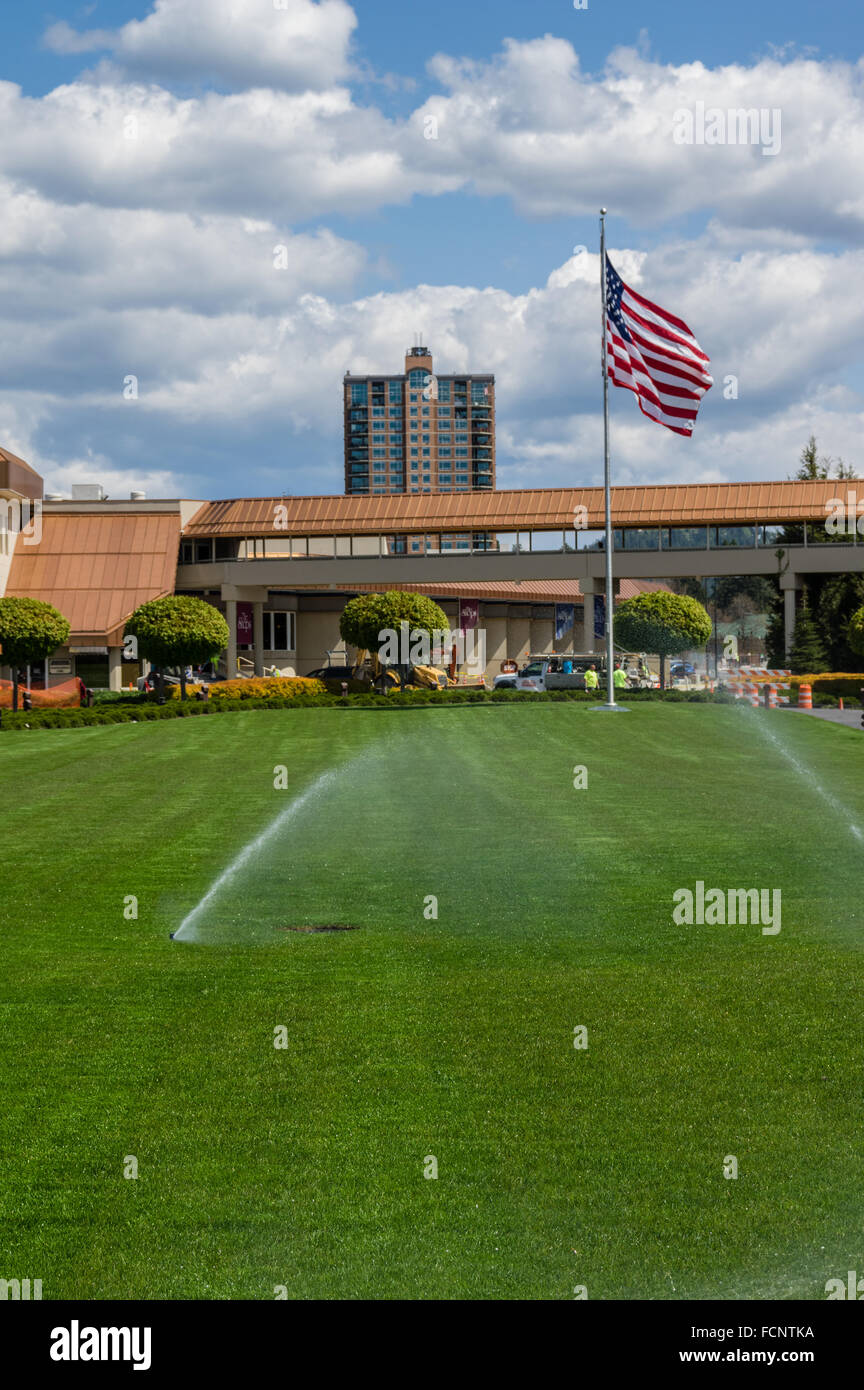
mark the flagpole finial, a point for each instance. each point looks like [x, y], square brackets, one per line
[602, 212]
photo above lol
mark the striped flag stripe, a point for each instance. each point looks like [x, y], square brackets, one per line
[666, 413]
[666, 323]
[661, 313]
[662, 336]
[672, 351]
[665, 365]
[662, 371]
[627, 367]
[667, 350]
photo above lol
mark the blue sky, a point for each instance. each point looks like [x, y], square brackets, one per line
[152, 256]
[397, 39]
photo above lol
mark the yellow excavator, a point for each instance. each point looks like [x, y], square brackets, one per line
[387, 679]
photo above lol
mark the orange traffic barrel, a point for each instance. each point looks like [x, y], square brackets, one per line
[805, 697]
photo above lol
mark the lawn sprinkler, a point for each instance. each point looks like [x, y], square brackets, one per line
[170, 936]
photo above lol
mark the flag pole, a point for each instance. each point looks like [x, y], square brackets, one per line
[610, 595]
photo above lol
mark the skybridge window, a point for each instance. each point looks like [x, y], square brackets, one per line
[638, 538]
[727, 536]
[685, 537]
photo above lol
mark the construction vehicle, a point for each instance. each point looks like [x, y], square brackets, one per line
[407, 677]
[552, 671]
[401, 676]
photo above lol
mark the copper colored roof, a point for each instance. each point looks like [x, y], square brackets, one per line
[17, 476]
[503, 590]
[96, 568]
[518, 509]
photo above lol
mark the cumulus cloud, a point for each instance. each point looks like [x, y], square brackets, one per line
[531, 125]
[274, 154]
[118, 483]
[279, 368]
[62, 260]
[528, 125]
[292, 45]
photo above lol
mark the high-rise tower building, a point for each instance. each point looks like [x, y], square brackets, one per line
[418, 432]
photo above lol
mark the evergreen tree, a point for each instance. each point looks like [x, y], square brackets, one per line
[775, 635]
[840, 595]
[815, 465]
[812, 466]
[807, 654]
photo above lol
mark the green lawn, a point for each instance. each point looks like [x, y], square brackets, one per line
[452, 1037]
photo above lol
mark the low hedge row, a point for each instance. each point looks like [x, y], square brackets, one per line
[245, 688]
[145, 712]
[118, 697]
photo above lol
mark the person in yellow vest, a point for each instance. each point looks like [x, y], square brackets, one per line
[619, 676]
[591, 680]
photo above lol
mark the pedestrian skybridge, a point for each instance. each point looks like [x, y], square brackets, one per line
[659, 532]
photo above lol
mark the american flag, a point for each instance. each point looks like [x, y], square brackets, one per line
[654, 354]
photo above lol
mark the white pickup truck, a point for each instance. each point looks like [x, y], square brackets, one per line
[548, 673]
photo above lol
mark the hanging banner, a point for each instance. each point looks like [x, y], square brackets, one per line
[565, 616]
[244, 624]
[599, 615]
[469, 613]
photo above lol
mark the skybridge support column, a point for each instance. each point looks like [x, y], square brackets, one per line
[789, 583]
[589, 588]
[115, 668]
[258, 636]
[231, 619]
[593, 586]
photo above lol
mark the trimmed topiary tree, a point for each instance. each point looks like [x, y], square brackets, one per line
[176, 631]
[664, 623]
[364, 617]
[30, 630]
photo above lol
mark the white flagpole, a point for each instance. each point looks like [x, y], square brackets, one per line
[610, 595]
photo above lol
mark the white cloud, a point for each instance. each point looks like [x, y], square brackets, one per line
[62, 38]
[18, 427]
[118, 483]
[59, 260]
[528, 125]
[289, 44]
[531, 125]
[281, 368]
[272, 154]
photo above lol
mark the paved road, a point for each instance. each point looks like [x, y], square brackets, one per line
[851, 717]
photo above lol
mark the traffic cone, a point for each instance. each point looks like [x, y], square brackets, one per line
[805, 697]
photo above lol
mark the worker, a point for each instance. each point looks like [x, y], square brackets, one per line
[567, 667]
[591, 679]
[619, 676]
